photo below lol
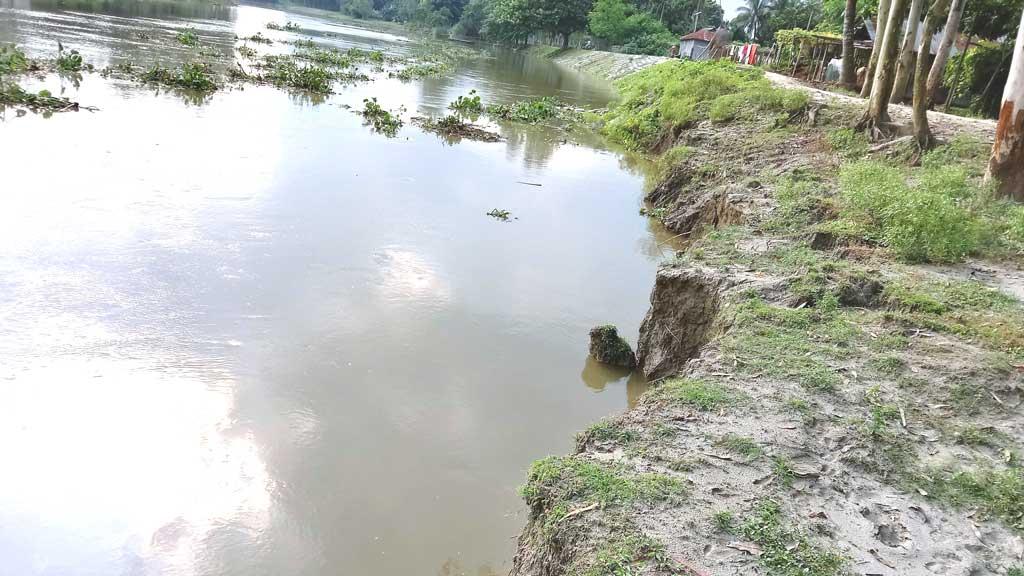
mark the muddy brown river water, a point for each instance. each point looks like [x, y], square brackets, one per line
[246, 335]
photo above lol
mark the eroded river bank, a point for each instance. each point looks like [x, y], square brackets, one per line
[244, 332]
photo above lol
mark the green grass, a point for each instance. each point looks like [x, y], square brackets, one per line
[783, 470]
[699, 394]
[724, 521]
[888, 364]
[1015, 571]
[628, 556]
[789, 343]
[741, 446]
[678, 93]
[996, 493]
[608, 431]
[556, 479]
[848, 143]
[786, 551]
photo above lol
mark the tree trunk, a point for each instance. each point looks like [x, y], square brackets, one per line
[876, 119]
[1007, 162]
[956, 77]
[849, 73]
[922, 133]
[880, 23]
[956, 10]
[906, 61]
[565, 40]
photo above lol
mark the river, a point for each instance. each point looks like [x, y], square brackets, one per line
[246, 335]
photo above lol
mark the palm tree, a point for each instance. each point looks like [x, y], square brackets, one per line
[753, 17]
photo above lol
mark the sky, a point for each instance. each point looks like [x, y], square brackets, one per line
[730, 6]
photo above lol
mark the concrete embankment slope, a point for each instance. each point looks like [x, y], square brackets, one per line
[609, 65]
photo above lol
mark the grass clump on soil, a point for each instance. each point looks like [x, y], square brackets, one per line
[699, 394]
[786, 551]
[190, 76]
[556, 480]
[678, 93]
[533, 111]
[961, 307]
[187, 37]
[996, 493]
[940, 212]
[607, 431]
[628, 555]
[383, 121]
[791, 343]
[740, 445]
[468, 104]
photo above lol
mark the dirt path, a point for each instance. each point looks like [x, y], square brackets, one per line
[943, 125]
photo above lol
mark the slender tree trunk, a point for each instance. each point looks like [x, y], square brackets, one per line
[1007, 162]
[565, 40]
[880, 23]
[922, 133]
[956, 77]
[876, 118]
[906, 61]
[956, 10]
[849, 72]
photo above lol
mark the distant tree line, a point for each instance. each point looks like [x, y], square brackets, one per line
[636, 26]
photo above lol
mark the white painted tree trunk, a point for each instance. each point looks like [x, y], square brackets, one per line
[1007, 162]
[949, 35]
[906, 63]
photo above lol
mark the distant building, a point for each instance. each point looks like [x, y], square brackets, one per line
[694, 46]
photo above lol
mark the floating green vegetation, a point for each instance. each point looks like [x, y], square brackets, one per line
[195, 76]
[283, 71]
[68, 61]
[326, 57]
[554, 480]
[468, 104]
[785, 551]
[453, 129]
[534, 111]
[42, 101]
[996, 493]
[288, 26]
[699, 394]
[414, 71]
[382, 120]
[13, 60]
[678, 93]
[499, 214]
[188, 37]
[246, 52]
[257, 38]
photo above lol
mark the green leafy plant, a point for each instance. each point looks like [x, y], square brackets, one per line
[383, 121]
[468, 104]
[188, 37]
